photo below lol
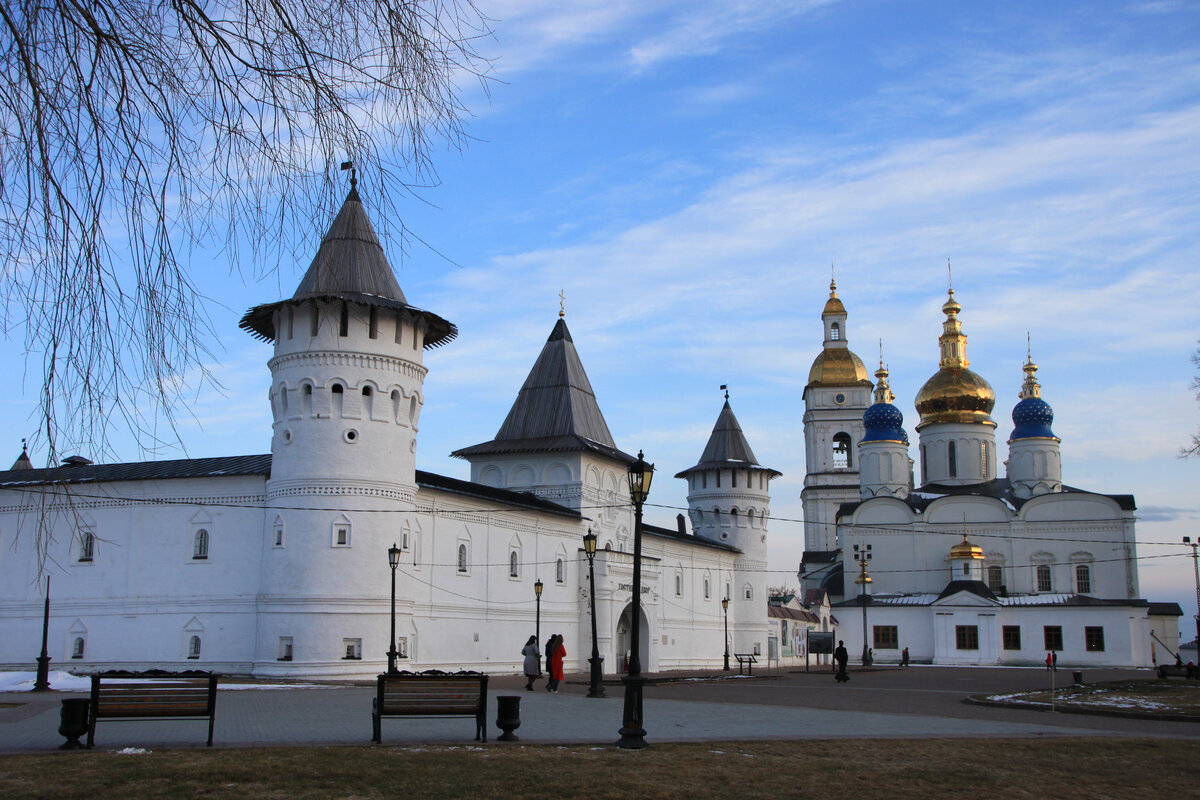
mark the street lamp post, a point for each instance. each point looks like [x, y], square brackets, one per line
[864, 593]
[633, 735]
[393, 562]
[725, 608]
[42, 682]
[537, 626]
[596, 689]
[1195, 565]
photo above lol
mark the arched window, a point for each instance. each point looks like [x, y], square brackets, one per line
[707, 589]
[835, 331]
[337, 396]
[306, 401]
[462, 558]
[194, 647]
[678, 584]
[200, 545]
[368, 401]
[1083, 579]
[842, 458]
[1043, 578]
[983, 459]
[560, 571]
[952, 458]
[995, 577]
[77, 647]
[87, 546]
[733, 478]
[513, 568]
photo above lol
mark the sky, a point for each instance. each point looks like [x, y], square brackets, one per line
[690, 174]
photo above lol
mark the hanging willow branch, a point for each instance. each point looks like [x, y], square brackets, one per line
[133, 130]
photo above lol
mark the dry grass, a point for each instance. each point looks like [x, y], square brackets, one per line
[860, 769]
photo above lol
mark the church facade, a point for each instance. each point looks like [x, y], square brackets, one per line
[276, 565]
[969, 566]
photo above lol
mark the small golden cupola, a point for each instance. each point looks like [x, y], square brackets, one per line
[966, 561]
[836, 365]
[955, 394]
[965, 549]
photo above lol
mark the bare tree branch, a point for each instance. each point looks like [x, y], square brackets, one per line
[133, 131]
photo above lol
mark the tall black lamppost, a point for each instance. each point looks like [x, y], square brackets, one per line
[537, 596]
[725, 608]
[393, 561]
[864, 593]
[42, 683]
[633, 735]
[1186, 540]
[589, 548]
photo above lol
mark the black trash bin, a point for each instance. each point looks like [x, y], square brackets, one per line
[508, 716]
[73, 722]
[1077, 678]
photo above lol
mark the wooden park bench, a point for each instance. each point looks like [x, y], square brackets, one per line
[746, 662]
[152, 695]
[431, 694]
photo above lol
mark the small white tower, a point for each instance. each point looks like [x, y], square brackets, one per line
[837, 394]
[885, 468]
[346, 396]
[966, 561]
[1034, 458]
[729, 502]
[958, 437]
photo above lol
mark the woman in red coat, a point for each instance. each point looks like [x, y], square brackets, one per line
[556, 651]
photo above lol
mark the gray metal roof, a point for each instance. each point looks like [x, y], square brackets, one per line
[350, 265]
[556, 409]
[997, 488]
[727, 446]
[228, 466]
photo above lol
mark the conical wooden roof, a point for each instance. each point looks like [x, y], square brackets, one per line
[727, 446]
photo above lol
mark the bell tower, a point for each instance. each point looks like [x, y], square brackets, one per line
[837, 395]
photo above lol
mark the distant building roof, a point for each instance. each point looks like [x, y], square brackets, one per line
[1165, 610]
[784, 612]
[556, 409]
[999, 489]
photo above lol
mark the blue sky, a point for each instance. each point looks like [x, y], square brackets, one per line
[688, 172]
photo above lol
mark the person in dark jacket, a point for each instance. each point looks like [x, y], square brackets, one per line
[841, 657]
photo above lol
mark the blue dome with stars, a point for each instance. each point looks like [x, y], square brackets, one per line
[884, 423]
[1032, 418]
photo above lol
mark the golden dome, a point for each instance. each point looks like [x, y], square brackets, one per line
[833, 305]
[837, 367]
[955, 393]
[965, 549]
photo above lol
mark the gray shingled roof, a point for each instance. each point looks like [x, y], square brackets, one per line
[555, 410]
[350, 265]
[727, 447]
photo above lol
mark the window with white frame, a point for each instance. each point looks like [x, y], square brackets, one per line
[1083, 579]
[193, 647]
[1044, 584]
[341, 532]
[679, 584]
[285, 648]
[462, 558]
[748, 592]
[514, 566]
[707, 588]
[995, 577]
[352, 649]
[77, 646]
[402, 647]
[560, 571]
[87, 547]
[200, 545]
[277, 533]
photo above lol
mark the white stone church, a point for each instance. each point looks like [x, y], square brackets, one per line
[277, 565]
[968, 567]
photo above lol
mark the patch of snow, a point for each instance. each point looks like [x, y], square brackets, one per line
[132, 751]
[63, 681]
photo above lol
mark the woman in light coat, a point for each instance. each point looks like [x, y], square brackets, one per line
[533, 662]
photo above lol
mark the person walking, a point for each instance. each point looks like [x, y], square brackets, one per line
[533, 662]
[841, 657]
[556, 654]
[904, 658]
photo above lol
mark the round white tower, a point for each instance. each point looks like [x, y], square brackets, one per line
[958, 437]
[729, 502]
[346, 398]
[837, 394]
[1034, 458]
[884, 466]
